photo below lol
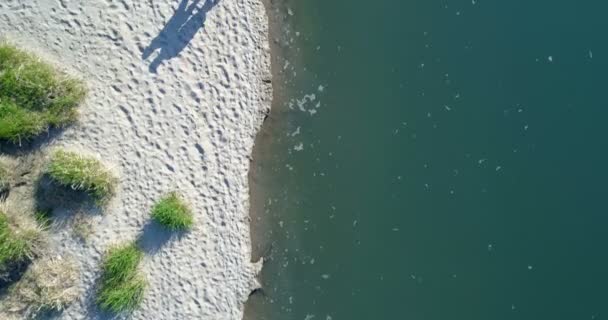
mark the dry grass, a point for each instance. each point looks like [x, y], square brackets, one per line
[48, 285]
[82, 227]
[21, 240]
[4, 180]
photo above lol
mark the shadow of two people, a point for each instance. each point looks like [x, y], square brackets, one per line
[179, 30]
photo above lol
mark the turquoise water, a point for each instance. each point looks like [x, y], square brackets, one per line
[434, 160]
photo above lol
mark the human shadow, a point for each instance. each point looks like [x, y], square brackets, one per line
[179, 30]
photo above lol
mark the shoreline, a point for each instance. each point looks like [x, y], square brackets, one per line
[274, 126]
[274, 123]
[191, 127]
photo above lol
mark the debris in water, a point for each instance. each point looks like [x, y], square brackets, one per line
[295, 133]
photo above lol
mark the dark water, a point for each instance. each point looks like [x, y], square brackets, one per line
[455, 167]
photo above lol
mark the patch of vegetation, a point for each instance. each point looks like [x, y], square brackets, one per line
[70, 169]
[82, 227]
[122, 286]
[34, 96]
[4, 181]
[48, 285]
[17, 244]
[173, 213]
[44, 218]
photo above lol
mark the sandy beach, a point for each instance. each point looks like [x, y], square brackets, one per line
[177, 93]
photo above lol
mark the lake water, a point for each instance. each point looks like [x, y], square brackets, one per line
[434, 160]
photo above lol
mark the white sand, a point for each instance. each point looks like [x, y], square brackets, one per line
[190, 128]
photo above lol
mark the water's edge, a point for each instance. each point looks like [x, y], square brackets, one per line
[261, 246]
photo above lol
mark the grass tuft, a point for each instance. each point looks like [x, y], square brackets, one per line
[44, 218]
[48, 285]
[82, 226]
[172, 213]
[122, 286]
[34, 96]
[17, 244]
[82, 173]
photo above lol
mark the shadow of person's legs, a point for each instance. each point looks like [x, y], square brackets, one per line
[179, 17]
[153, 68]
[155, 44]
[178, 32]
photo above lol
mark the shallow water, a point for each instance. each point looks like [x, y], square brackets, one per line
[434, 160]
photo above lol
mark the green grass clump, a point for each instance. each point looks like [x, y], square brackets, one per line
[82, 173]
[16, 244]
[172, 213]
[122, 286]
[34, 96]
